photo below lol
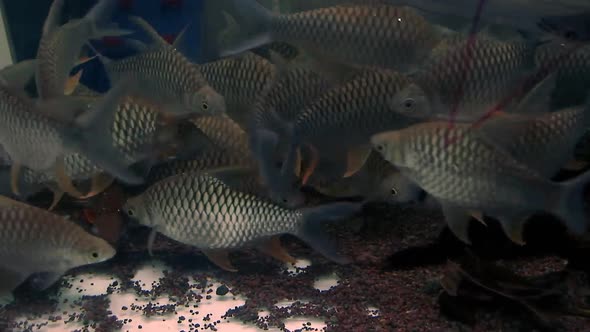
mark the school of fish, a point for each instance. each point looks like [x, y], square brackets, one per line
[359, 101]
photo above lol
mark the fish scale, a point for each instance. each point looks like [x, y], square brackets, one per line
[358, 108]
[374, 34]
[223, 132]
[33, 240]
[468, 172]
[134, 128]
[29, 137]
[203, 211]
[496, 68]
[240, 80]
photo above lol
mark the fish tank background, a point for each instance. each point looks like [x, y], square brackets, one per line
[410, 273]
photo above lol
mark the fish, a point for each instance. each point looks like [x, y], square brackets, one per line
[223, 132]
[39, 140]
[377, 181]
[37, 241]
[520, 15]
[167, 76]
[203, 211]
[139, 129]
[571, 65]
[240, 80]
[230, 148]
[341, 121]
[368, 35]
[466, 88]
[470, 176]
[60, 46]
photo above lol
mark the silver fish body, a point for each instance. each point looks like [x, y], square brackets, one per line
[471, 83]
[34, 240]
[465, 173]
[240, 80]
[373, 35]
[201, 210]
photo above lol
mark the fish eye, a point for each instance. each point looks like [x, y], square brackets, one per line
[379, 147]
[130, 212]
[205, 106]
[95, 254]
[409, 103]
[393, 192]
[285, 200]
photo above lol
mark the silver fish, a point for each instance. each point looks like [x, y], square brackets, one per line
[36, 241]
[60, 46]
[467, 175]
[203, 211]
[373, 35]
[167, 76]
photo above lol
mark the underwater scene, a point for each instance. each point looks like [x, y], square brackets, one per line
[294, 165]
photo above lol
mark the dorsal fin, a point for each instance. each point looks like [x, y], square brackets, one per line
[149, 30]
[180, 38]
[53, 17]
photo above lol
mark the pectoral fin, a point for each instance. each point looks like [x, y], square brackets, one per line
[99, 183]
[57, 196]
[64, 182]
[220, 258]
[356, 159]
[273, 248]
[15, 170]
[313, 164]
[72, 82]
[458, 221]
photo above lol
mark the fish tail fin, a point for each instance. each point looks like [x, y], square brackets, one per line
[281, 187]
[99, 17]
[92, 135]
[571, 204]
[251, 14]
[311, 231]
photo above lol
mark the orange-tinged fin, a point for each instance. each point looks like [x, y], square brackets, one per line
[478, 215]
[220, 258]
[57, 196]
[84, 59]
[513, 227]
[576, 165]
[15, 170]
[64, 182]
[298, 162]
[355, 159]
[273, 248]
[313, 164]
[72, 82]
[151, 240]
[99, 183]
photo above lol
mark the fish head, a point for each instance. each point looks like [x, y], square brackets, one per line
[91, 250]
[205, 101]
[391, 147]
[136, 209]
[397, 188]
[411, 101]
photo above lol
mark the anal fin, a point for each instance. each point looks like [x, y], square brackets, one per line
[57, 196]
[63, 180]
[273, 248]
[72, 82]
[513, 226]
[355, 159]
[220, 258]
[458, 221]
[15, 170]
[99, 183]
